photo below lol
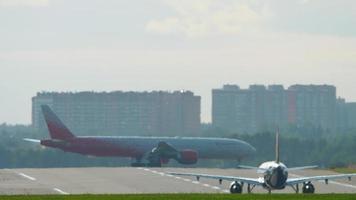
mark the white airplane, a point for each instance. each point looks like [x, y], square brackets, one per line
[274, 177]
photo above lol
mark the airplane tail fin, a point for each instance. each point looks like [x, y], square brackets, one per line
[277, 146]
[56, 128]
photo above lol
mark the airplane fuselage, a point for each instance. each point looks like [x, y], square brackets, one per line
[137, 146]
[275, 175]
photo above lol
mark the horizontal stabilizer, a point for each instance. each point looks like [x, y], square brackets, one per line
[32, 140]
[302, 168]
[247, 167]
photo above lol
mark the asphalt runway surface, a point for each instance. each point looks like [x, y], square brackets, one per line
[139, 180]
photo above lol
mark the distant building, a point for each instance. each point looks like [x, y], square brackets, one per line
[313, 105]
[351, 115]
[231, 108]
[122, 113]
[342, 123]
[259, 108]
[249, 110]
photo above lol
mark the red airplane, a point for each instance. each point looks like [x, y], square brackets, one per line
[155, 150]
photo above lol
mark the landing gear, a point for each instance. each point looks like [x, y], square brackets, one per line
[308, 188]
[153, 162]
[295, 188]
[137, 164]
[235, 188]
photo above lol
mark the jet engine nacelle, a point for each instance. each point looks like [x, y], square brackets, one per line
[308, 188]
[187, 156]
[235, 188]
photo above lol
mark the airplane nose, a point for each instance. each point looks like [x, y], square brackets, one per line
[250, 150]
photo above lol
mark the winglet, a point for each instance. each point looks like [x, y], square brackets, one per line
[277, 145]
[56, 128]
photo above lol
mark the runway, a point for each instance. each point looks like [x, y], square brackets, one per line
[138, 180]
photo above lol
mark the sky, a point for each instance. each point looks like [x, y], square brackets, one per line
[197, 45]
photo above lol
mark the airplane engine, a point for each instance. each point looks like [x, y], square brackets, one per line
[187, 156]
[308, 188]
[235, 188]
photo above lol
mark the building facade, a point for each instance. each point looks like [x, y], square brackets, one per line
[261, 108]
[314, 105]
[351, 115]
[122, 113]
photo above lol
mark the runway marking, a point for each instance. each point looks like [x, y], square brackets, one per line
[26, 176]
[184, 179]
[162, 174]
[332, 182]
[60, 191]
[342, 184]
[216, 187]
[34, 179]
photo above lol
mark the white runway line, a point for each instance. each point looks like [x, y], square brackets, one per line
[216, 187]
[161, 173]
[183, 179]
[60, 191]
[26, 176]
[34, 179]
[342, 184]
[206, 185]
[332, 182]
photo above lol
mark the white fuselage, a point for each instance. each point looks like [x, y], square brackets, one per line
[275, 175]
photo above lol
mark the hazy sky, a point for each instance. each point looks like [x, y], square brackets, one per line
[105, 45]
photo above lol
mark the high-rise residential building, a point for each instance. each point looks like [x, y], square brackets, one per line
[248, 110]
[341, 118]
[122, 113]
[276, 107]
[351, 115]
[264, 108]
[314, 105]
[231, 108]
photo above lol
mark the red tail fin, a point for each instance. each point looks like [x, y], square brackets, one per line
[56, 128]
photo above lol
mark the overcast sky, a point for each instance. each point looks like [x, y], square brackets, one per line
[106, 45]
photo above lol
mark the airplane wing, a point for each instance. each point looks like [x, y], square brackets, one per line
[294, 181]
[252, 181]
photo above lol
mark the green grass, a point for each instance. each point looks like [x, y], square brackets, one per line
[185, 197]
[345, 170]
